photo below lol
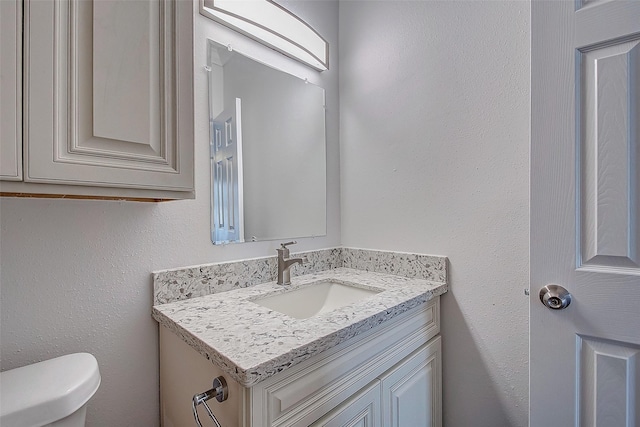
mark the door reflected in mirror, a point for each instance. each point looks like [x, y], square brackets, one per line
[268, 151]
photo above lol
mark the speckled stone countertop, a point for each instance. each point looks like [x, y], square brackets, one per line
[252, 343]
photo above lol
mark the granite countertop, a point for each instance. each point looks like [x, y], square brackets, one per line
[252, 343]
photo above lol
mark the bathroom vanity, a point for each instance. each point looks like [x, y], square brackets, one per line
[375, 361]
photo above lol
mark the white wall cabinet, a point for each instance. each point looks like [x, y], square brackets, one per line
[10, 90]
[108, 98]
[388, 376]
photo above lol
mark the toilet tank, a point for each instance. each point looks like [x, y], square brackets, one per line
[48, 392]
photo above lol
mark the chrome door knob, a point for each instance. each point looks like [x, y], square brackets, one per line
[555, 297]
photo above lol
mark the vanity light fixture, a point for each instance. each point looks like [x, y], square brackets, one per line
[272, 25]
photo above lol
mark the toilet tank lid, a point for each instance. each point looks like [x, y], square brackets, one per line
[47, 391]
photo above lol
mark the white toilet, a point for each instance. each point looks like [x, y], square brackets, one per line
[50, 393]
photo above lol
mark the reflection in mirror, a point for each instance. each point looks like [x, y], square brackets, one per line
[268, 161]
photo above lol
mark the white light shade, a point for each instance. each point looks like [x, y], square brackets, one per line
[272, 25]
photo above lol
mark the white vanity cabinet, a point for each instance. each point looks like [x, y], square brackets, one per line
[107, 100]
[388, 376]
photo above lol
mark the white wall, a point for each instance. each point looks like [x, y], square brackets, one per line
[434, 125]
[76, 275]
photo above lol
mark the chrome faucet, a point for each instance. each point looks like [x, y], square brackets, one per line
[285, 263]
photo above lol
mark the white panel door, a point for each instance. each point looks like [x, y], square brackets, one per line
[226, 172]
[109, 93]
[585, 212]
[411, 392]
[10, 89]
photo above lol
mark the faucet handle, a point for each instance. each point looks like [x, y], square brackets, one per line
[284, 245]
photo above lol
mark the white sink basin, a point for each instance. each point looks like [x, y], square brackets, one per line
[314, 299]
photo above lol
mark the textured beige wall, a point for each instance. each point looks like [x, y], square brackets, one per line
[434, 136]
[75, 275]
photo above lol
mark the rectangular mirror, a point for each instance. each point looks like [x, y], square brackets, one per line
[268, 151]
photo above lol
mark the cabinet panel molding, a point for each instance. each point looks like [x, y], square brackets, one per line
[362, 410]
[411, 393]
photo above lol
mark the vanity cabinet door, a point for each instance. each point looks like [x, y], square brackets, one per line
[109, 93]
[304, 393]
[412, 391]
[361, 410]
[10, 90]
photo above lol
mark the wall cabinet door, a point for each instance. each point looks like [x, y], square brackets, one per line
[361, 410]
[109, 93]
[412, 392]
[10, 90]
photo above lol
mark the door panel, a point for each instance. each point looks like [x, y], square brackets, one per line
[609, 385]
[584, 212]
[609, 152]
